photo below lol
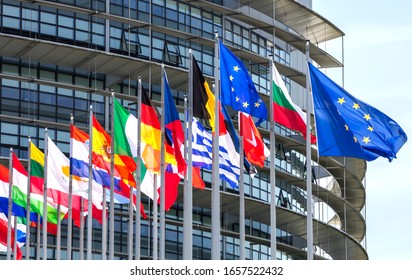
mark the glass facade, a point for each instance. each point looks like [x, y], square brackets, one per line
[156, 31]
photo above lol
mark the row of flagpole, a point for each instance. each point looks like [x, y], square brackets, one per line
[188, 197]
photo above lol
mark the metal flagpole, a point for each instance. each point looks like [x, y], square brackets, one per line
[15, 238]
[154, 219]
[162, 227]
[138, 193]
[111, 214]
[272, 166]
[81, 234]
[90, 192]
[70, 204]
[28, 202]
[59, 234]
[38, 237]
[242, 238]
[10, 204]
[215, 161]
[131, 205]
[104, 226]
[46, 152]
[308, 166]
[188, 188]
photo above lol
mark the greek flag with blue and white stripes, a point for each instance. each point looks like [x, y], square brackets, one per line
[228, 156]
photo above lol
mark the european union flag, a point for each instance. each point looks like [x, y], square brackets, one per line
[237, 88]
[347, 126]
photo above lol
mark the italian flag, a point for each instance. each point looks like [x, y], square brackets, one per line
[285, 111]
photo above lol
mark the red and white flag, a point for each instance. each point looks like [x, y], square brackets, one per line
[254, 148]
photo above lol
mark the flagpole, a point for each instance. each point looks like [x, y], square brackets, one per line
[10, 204]
[70, 204]
[46, 152]
[15, 238]
[81, 234]
[28, 202]
[309, 223]
[38, 237]
[242, 238]
[138, 193]
[215, 254]
[272, 167]
[104, 226]
[130, 222]
[162, 231]
[154, 219]
[90, 191]
[111, 224]
[59, 235]
[188, 188]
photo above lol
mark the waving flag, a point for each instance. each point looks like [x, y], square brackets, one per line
[101, 165]
[285, 111]
[173, 129]
[58, 172]
[254, 147]
[3, 237]
[19, 193]
[229, 160]
[79, 165]
[237, 87]
[347, 126]
[4, 195]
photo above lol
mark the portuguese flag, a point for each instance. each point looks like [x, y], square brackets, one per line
[286, 112]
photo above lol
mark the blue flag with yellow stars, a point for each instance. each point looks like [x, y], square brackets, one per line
[348, 127]
[236, 86]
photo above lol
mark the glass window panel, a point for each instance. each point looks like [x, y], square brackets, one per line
[66, 32]
[65, 91]
[11, 22]
[80, 104]
[63, 136]
[48, 17]
[81, 94]
[47, 75]
[12, 93]
[11, 11]
[65, 101]
[66, 21]
[47, 88]
[48, 29]
[9, 140]
[98, 40]
[81, 81]
[65, 78]
[10, 69]
[47, 98]
[98, 28]
[97, 97]
[82, 25]
[10, 128]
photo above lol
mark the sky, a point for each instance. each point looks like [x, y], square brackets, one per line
[377, 70]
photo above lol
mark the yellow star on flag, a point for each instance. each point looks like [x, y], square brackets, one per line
[367, 117]
[356, 106]
[341, 100]
[366, 140]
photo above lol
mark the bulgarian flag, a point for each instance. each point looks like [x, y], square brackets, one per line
[285, 111]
